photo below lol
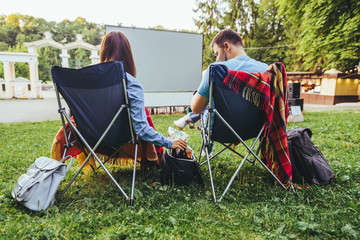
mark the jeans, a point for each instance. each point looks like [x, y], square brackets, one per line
[192, 117]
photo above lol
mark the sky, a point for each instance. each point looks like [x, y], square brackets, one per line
[171, 14]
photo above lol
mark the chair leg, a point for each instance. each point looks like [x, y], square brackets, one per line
[202, 147]
[257, 151]
[213, 156]
[134, 174]
[272, 174]
[210, 174]
[250, 149]
[228, 147]
[236, 173]
[73, 178]
[238, 169]
[92, 150]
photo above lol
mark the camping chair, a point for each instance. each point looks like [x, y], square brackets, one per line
[233, 119]
[97, 98]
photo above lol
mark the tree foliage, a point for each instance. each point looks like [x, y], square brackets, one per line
[302, 34]
[327, 30]
[331, 31]
[208, 23]
[214, 15]
[268, 35]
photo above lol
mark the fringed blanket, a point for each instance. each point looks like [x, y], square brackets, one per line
[146, 151]
[268, 91]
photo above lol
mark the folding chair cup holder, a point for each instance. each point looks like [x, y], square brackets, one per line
[234, 120]
[98, 102]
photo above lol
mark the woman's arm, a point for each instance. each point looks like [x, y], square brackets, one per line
[138, 116]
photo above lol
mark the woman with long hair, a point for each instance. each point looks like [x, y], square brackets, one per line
[116, 47]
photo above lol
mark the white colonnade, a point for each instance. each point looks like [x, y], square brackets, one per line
[31, 57]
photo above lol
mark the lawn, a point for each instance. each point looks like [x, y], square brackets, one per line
[254, 208]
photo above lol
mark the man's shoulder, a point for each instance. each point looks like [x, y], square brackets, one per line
[248, 64]
[244, 63]
[259, 62]
[249, 60]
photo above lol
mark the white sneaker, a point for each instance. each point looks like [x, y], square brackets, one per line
[180, 123]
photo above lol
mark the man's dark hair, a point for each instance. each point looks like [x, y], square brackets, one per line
[226, 35]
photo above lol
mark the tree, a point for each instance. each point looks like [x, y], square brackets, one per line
[268, 42]
[241, 15]
[328, 32]
[213, 16]
[208, 22]
[48, 57]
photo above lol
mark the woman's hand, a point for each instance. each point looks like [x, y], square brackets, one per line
[179, 143]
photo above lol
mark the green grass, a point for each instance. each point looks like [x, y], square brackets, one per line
[254, 208]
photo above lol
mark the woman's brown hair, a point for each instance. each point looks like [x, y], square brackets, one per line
[116, 47]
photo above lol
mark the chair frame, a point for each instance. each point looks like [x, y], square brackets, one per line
[84, 144]
[207, 141]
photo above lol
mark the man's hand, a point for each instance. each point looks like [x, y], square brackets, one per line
[198, 103]
[179, 143]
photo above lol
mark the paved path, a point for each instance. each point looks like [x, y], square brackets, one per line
[46, 109]
[339, 106]
[28, 110]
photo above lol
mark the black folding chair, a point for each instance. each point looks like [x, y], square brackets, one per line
[97, 98]
[232, 119]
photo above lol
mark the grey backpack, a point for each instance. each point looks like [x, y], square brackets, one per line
[37, 187]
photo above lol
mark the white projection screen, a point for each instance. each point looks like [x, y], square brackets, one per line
[168, 63]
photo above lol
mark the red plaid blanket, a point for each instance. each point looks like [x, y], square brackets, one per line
[268, 91]
[147, 149]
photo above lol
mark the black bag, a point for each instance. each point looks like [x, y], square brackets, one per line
[307, 162]
[179, 169]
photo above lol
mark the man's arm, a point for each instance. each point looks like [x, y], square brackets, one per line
[198, 103]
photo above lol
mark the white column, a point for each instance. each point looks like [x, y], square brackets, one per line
[64, 58]
[12, 76]
[32, 50]
[94, 57]
[12, 70]
[7, 77]
[34, 80]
